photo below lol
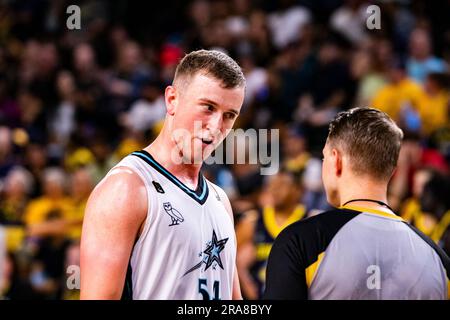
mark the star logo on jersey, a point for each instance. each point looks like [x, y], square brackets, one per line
[213, 251]
[211, 254]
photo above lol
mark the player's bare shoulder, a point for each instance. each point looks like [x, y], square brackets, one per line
[120, 193]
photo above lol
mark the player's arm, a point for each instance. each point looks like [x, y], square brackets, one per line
[236, 295]
[285, 275]
[246, 255]
[114, 213]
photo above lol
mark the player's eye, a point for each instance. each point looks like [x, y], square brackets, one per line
[230, 116]
[209, 107]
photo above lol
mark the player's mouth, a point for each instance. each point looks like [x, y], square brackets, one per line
[207, 141]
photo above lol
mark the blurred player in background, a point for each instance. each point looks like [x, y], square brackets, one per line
[258, 229]
[435, 200]
[155, 228]
[362, 249]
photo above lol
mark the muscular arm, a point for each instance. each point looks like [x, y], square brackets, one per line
[115, 211]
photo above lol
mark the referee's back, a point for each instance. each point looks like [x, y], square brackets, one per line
[356, 253]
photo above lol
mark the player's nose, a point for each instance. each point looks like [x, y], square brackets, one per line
[215, 123]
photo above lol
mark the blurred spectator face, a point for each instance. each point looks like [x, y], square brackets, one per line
[5, 141]
[283, 190]
[81, 184]
[194, 119]
[421, 177]
[36, 156]
[383, 50]
[48, 58]
[217, 35]
[328, 53]
[380, 53]
[84, 58]
[7, 270]
[118, 36]
[294, 145]
[219, 8]
[54, 181]
[31, 52]
[65, 84]
[129, 57]
[360, 64]
[30, 106]
[396, 74]
[200, 12]
[258, 24]
[18, 183]
[241, 7]
[420, 46]
[151, 92]
[101, 151]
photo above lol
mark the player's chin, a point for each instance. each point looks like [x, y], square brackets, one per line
[208, 150]
[200, 154]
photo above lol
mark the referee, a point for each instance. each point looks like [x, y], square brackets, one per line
[361, 249]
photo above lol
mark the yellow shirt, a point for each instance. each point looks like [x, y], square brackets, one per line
[433, 111]
[392, 97]
[411, 212]
[77, 213]
[38, 210]
[298, 163]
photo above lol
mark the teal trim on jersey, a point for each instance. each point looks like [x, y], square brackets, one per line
[202, 185]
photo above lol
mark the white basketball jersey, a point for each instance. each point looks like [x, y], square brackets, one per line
[187, 249]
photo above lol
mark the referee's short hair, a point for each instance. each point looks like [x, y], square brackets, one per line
[370, 138]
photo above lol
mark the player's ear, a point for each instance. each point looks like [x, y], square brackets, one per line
[171, 98]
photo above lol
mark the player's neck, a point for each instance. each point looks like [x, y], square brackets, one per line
[161, 150]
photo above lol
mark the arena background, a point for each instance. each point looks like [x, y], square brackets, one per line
[74, 102]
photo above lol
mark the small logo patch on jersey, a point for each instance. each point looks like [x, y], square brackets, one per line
[158, 187]
[173, 213]
[211, 254]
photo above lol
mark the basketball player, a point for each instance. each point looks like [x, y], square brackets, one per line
[154, 227]
[362, 249]
[258, 229]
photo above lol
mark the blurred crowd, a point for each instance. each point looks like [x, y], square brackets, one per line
[74, 102]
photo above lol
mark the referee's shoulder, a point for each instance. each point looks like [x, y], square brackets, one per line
[321, 227]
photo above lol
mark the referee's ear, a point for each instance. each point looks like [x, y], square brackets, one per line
[337, 161]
